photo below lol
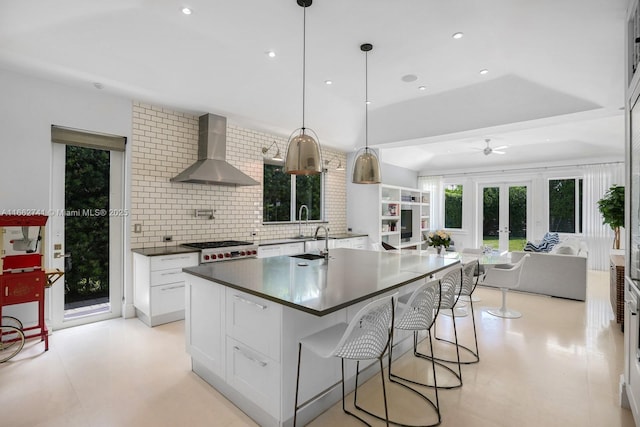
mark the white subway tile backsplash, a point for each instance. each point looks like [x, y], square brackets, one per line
[164, 142]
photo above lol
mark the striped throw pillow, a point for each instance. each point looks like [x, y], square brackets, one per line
[531, 247]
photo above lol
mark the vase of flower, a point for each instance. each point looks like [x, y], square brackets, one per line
[439, 239]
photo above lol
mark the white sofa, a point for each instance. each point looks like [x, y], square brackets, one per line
[562, 272]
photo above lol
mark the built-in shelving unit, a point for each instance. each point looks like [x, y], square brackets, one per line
[390, 201]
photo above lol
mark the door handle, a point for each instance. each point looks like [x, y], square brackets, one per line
[60, 255]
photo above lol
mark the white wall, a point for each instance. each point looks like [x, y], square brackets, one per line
[395, 175]
[28, 108]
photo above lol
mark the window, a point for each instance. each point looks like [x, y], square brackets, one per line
[283, 194]
[453, 206]
[565, 205]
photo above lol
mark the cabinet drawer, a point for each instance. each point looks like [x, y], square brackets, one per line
[166, 262]
[167, 298]
[359, 242]
[254, 321]
[292, 248]
[18, 288]
[268, 251]
[162, 277]
[254, 375]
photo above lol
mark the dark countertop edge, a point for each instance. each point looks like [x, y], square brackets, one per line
[310, 310]
[288, 240]
[169, 250]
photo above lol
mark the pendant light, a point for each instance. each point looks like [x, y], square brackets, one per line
[303, 150]
[366, 169]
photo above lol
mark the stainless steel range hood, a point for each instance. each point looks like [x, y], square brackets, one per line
[212, 167]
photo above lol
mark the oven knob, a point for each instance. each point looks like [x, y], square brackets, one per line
[220, 256]
[227, 255]
[206, 257]
[242, 253]
[254, 253]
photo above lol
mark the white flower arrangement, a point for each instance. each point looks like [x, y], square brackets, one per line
[438, 238]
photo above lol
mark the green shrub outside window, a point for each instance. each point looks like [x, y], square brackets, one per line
[283, 194]
[453, 206]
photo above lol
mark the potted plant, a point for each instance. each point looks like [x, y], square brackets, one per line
[611, 207]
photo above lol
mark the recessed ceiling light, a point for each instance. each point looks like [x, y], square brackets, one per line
[408, 78]
[271, 54]
[422, 88]
[328, 82]
[457, 36]
[367, 102]
[483, 72]
[187, 11]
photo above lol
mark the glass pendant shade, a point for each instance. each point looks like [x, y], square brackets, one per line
[303, 155]
[366, 169]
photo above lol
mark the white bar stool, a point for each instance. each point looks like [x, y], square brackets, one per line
[366, 337]
[416, 314]
[466, 289]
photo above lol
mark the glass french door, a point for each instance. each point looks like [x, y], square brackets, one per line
[87, 234]
[504, 210]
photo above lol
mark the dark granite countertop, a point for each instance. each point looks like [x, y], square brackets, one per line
[321, 287]
[168, 250]
[285, 240]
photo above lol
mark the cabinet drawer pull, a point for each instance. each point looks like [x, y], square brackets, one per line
[6, 291]
[246, 301]
[172, 287]
[171, 273]
[253, 359]
[174, 258]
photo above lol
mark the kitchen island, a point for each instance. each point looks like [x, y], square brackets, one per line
[244, 319]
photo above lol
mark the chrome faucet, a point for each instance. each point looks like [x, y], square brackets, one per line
[300, 219]
[326, 240]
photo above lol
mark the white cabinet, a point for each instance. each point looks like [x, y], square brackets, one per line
[254, 376]
[254, 321]
[267, 251]
[237, 337]
[317, 245]
[253, 327]
[359, 242]
[158, 283]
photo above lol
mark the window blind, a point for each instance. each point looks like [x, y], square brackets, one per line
[82, 138]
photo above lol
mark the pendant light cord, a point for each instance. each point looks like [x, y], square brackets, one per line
[366, 101]
[304, 44]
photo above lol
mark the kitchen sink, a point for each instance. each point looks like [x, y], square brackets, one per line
[308, 256]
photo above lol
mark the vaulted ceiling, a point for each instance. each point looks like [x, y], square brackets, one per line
[553, 91]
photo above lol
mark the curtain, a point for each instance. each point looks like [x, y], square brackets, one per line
[434, 185]
[598, 236]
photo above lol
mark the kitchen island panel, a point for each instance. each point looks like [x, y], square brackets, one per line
[336, 289]
[205, 323]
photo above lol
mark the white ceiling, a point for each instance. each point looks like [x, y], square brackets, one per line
[553, 92]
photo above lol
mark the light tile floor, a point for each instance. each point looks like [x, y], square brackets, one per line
[559, 365]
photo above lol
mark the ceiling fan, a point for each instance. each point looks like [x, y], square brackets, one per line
[492, 150]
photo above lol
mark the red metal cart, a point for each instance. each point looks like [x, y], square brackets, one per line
[23, 278]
